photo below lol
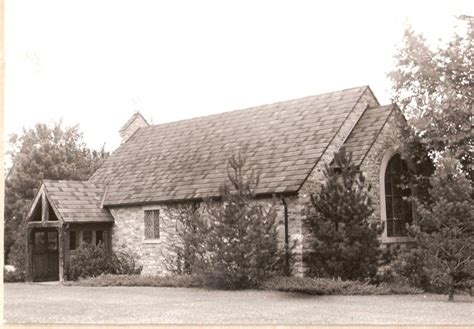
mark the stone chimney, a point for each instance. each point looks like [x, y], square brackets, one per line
[132, 125]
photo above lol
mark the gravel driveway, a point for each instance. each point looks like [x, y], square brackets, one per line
[41, 303]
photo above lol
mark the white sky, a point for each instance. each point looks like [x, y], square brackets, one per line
[96, 62]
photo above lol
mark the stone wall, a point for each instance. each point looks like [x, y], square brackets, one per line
[295, 232]
[128, 234]
[157, 256]
[386, 144]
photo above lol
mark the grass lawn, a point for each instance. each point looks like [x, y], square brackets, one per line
[40, 303]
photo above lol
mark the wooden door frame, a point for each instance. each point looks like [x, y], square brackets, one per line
[43, 226]
[49, 271]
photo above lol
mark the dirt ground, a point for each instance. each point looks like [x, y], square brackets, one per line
[46, 303]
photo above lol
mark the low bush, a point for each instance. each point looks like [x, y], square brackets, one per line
[106, 280]
[409, 265]
[323, 286]
[310, 286]
[91, 260]
[13, 276]
[400, 288]
[125, 264]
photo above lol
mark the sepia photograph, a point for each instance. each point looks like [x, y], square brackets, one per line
[238, 163]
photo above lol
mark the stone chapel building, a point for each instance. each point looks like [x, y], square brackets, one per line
[157, 167]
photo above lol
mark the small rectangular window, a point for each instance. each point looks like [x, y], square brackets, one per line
[99, 237]
[87, 236]
[72, 240]
[152, 224]
[40, 242]
[52, 241]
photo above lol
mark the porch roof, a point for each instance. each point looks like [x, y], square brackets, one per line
[77, 201]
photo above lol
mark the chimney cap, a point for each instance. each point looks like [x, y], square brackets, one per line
[132, 125]
[135, 115]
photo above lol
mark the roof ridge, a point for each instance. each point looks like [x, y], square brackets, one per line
[337, 132]
[186, 159]
[379, 131]
[366, 131]
[382, 106]
[362, 88]
[72, 180]
[65, 180]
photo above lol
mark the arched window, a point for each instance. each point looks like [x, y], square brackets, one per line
[398, 211]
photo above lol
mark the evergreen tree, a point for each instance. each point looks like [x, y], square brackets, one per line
[345, 243]
[242, 240]
[445, 231]
[45, 152]
[231, 242]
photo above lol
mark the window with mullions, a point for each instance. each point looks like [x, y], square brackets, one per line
[152, 224]
[87, 236]
[399, 211]
[72, 240]
[99, 237]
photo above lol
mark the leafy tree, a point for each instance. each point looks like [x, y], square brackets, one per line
[345, 243]
[188, 256]
[45, 152]
[445, 231]
[434, 89]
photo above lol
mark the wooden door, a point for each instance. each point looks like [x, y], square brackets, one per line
[45, 255]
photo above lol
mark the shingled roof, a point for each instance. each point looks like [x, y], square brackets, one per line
[188, 159]
[365, 132]
[77, 201]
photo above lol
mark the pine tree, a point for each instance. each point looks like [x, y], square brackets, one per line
[345, 243]
[445, 231]
[242, 240]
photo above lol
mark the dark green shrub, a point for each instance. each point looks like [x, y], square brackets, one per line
[289, 284]
[91, 260]
[126, 264]
[323, 286]
[408, 265]
[105, 280]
